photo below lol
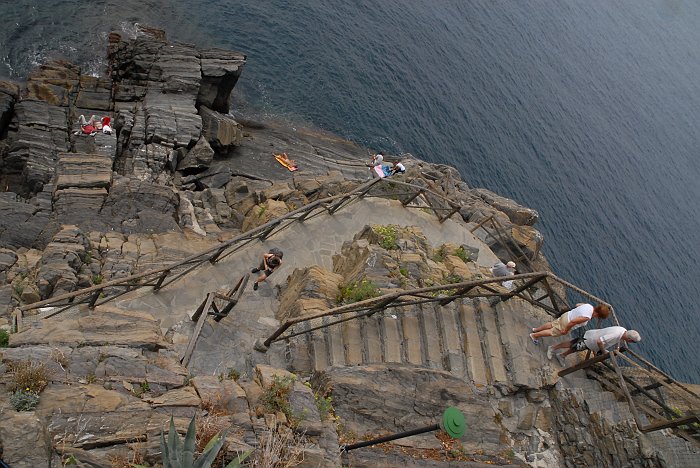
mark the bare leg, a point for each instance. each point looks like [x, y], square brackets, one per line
[545, 326]
[543, 333]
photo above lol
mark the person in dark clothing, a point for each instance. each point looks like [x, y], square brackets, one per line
[270, 262]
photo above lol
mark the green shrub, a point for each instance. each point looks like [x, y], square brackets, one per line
[4, 338]
[403, 271]
[463, 254]
[276, 396]
[324, 405]
[440, 254]
[97, 279]
[23, 400]
[387, 236]
[452, 279]
[358, 291]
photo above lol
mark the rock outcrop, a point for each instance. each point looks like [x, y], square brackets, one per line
[177, 176]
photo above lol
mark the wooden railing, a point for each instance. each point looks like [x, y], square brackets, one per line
[410, 195]
[442, 294]
[648, 399]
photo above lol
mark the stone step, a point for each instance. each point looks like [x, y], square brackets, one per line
[300, 350]
[352, 341]
[390, 330]
[372, 339]
[453, 353]
[515, 344]
[319, 350]
[475, 362]
[492, 339]
[334, 338]
[431, 336]
[411, 332]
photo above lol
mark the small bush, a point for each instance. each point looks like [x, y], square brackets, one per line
[4, 338]
[387, 236]
[28, 376]
[23, 400]
[276, 396]
[231, 374]
[280, 449]
[452, 278]
[358, 291]
[403, 271]
[97, 279]
[463, 254]
[324, 405]
[440, 254]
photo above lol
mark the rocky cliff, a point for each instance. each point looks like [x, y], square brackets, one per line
[178, 175]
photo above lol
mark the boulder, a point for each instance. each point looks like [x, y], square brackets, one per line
[138, 206]
[263, 213]
[517, 213]
[220, 130]
[21, 224]
[309, 290]
[106, 326]
[220, 72]
[392, 398]
[94, 93]
[224, 396]
[198, 158]
[24, 444]
[55, 83]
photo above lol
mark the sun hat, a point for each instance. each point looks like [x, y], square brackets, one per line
[510, 264]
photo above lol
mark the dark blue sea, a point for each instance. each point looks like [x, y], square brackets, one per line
[587, 111]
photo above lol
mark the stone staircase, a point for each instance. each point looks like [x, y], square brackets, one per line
[469, 338]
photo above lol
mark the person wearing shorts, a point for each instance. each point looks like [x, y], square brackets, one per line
[270, 262]
[570, 320]
[597, 340]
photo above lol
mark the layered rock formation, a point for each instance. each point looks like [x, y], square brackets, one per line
[177, 176]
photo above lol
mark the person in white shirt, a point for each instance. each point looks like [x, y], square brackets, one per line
[398, 168]
[378, 159]
[570, 320]
[600, 339]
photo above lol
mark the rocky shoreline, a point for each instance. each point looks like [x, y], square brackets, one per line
[179, 175]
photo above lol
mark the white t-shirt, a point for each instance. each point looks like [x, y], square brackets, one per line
[611, 336]
[378, 159]
[584, 310]
[399, 167]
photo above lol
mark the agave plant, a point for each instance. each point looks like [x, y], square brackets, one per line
[176, 454]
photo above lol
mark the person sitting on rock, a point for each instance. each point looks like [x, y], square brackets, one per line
[89, 127]
[598, 341]
[570, 320]
[501, 269]
[377, 159]
[270, 262]
[398, 168]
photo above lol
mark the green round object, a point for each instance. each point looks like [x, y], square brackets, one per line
[453, 422]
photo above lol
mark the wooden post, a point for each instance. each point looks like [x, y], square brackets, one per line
[93, 299]
[623, 386]
[204, 308]
[161, 279]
